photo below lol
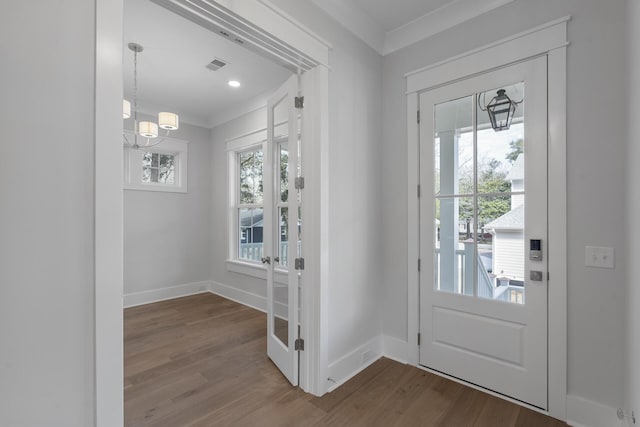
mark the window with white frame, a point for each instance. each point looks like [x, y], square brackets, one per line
[247, 160]
[160, 168]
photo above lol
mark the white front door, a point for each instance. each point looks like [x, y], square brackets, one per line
[483, 292]
[282, 228]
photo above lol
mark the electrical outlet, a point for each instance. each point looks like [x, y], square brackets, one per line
[599, 257]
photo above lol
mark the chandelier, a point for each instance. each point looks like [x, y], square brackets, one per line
[145, 130]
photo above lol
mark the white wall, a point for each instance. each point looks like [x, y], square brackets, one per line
[166, 235]
[256, 120]
[355, 128]
[596, 151]
[633, 197]
[47, 214]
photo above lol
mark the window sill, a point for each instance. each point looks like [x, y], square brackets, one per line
[247, 268]
[255, 270]
[163, 188]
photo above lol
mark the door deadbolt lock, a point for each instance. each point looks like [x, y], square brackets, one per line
[266, 260]
[535, 276]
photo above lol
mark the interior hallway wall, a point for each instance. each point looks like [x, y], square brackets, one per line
[596, 178]
[47, 360]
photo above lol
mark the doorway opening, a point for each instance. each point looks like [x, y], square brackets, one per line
[290, 54]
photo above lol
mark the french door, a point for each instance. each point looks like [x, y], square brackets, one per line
[483, 232]
[283, 226]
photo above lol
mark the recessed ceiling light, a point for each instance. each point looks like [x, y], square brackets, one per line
[234, 83]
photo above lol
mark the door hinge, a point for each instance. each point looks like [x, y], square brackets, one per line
[418, 116]
[299, 263]
[299, 102]
[299, 183]
[299, 344]
[419, 264]
[418, 191]
[548, 276]
[418, 338]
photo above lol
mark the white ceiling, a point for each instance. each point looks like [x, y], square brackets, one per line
[172, 74]
[388, 26]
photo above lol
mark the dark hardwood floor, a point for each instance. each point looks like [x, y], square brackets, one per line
[201, 361]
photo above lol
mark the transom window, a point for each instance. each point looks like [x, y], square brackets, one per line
[158, 167]
[161, 168]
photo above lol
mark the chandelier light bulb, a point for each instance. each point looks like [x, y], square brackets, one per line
[148, 129]
[168, 121]
[126, 109]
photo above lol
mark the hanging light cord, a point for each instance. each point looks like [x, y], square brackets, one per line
[135, 111]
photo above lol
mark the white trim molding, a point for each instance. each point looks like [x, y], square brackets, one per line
[109, 217]
[156, 295]
[448, 16]
[386, 41]
[550, 40]
[351, 364]
[583, 412]
[258, 302]
[537, 41]
[394, 349]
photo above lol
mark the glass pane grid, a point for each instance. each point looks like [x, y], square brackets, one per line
[479, 198]
[158, 168]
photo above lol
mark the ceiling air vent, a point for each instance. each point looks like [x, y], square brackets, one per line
[216, 64]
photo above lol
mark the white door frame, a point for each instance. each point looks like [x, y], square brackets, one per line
[262, 18]
[550, 40]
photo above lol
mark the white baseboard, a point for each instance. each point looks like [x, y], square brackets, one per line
[582, 412]
[395, 349]
[238, 295]
[147, 297]
[349, 365]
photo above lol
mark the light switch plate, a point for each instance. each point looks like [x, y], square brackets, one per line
[599, 257]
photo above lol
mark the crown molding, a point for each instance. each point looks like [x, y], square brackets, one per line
[454, 13]
[385, 42]
[355, 20]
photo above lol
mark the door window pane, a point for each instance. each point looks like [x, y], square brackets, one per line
[283, 237]
[454, 147]
[284, 173]
[454, 245]
[501, 248]
[501, 154]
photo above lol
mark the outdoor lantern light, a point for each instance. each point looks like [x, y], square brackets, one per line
[501, 110]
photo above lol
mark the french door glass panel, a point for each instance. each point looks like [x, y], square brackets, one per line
[282, 291]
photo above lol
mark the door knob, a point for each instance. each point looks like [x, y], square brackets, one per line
[266, 260]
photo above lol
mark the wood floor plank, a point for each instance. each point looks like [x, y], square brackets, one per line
[200, 361]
